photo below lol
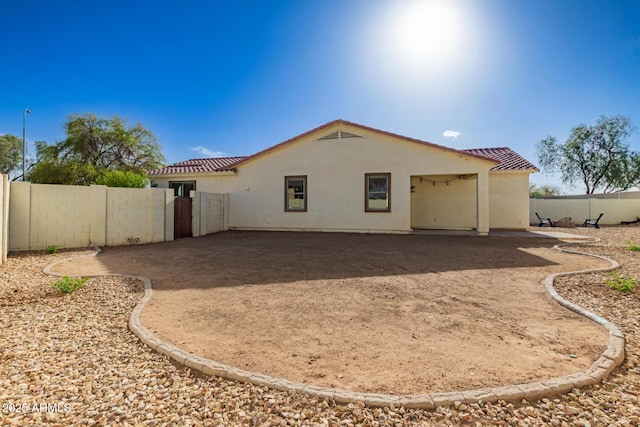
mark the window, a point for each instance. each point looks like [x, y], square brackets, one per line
[377, 192]
[295, 193]
[182, 188]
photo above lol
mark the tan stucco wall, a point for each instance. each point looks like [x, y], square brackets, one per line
[41, 215]
[509, 200]
[218, 183]
[335, 171]
[436, 205]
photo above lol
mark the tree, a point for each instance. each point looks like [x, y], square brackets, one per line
[10, 154]
[598, 156]
[545, 190]
[94, 147]
[122, 178]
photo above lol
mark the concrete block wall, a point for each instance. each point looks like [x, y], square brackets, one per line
[142, 214]
[59, 215]
[19, 214]
[4, 217]
[169, 212]
[41, 215]
[209, 213]
[98, 221]
[615, 211]
[129, 219]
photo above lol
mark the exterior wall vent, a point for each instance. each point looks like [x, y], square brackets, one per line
[335, 135]
[340, 134]
[344, 134]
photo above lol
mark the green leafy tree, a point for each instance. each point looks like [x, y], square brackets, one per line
[10, 154]
[598, 156]
[93, 147]
[547, 190]
[122, 178]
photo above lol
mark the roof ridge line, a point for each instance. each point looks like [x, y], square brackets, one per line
[367, 128]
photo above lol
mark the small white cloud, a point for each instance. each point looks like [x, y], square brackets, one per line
[209, 153]
[453, 134]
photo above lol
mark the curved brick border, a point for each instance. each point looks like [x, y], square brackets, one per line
[601, 368]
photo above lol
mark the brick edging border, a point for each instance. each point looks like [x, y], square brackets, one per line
[600, 369]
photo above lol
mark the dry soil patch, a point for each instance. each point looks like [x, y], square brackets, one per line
[380, 313]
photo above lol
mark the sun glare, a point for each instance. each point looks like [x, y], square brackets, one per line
[426, 47]
[413, 39]
[425, 33]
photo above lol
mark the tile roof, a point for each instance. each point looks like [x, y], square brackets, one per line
[218, 164]
[509, 159]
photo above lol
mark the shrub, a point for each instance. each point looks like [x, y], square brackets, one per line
[68, 284]
[52, 249]
[123, 178]
[621, 283]
[634, 248]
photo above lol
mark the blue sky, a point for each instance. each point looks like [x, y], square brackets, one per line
[236, 77]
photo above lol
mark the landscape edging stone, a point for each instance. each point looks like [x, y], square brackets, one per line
[600, 369]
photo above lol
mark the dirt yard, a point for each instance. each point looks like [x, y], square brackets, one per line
[379, 313]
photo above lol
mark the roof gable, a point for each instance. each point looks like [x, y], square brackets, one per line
[359, 126]
[504, 158]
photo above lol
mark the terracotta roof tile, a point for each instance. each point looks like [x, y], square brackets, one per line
[509, 159]
[218, 164]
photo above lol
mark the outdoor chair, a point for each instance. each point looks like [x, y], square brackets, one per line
[592, 221]
[637, 220]
[544, 221]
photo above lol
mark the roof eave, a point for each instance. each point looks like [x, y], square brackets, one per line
[281, 144]
[529, 170]
[200, 174]
[418, 141]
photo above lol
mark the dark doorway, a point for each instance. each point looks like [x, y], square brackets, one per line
[182, 218]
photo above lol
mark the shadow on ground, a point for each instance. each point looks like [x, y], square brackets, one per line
[248, 257]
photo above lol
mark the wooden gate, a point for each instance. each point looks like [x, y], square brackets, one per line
[182, 218]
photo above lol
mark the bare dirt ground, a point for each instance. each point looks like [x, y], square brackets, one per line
[380, 313]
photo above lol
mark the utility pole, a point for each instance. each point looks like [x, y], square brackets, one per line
[24, 141]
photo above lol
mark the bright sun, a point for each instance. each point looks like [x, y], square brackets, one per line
[424, 33]
[425, 47]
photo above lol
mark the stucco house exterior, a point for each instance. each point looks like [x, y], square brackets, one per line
[343, 176]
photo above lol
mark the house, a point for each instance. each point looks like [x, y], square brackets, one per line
[343, 176]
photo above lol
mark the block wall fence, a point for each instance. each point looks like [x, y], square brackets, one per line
[210, 213]
[36, 216]
[615, 210]
[41, 215]
[4, 217]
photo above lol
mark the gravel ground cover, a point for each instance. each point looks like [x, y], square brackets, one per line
[71, 360]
